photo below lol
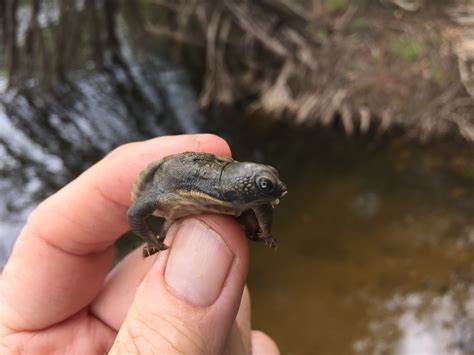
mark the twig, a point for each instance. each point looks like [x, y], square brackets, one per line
[174, 35]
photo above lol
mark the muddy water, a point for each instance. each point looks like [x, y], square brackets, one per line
[376, 248]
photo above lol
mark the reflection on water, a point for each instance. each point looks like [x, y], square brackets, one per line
[427, 323]
[376, 241]
[433, 326]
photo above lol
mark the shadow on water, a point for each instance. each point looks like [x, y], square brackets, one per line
[376, 240]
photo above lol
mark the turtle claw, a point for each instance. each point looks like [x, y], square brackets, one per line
[272, 243]
[149, 250]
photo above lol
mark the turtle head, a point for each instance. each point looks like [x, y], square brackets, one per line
[251, 183]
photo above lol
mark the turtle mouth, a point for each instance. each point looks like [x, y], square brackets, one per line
[283, 189]
[277, 201]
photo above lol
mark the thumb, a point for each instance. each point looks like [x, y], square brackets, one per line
[189, 299]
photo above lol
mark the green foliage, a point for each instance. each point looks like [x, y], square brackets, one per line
[317, 30]
[437, 73]
[323, 33]
[408, 49]
[360, 23]
[335, 5]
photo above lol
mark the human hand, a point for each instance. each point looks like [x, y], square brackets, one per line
[57, 295]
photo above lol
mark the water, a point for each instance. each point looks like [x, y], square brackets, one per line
[376, 249]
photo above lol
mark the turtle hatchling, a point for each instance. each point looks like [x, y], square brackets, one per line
[192, 183]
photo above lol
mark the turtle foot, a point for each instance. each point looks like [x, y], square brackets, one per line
[149, 250]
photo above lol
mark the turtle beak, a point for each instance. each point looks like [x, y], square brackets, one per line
[283, 189]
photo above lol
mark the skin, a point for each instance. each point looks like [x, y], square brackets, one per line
[193, 183]
[58, 296]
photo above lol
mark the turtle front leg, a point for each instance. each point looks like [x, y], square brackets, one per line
[258, 224]
[137, 219]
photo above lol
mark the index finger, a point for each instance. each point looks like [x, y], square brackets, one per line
[65, 250]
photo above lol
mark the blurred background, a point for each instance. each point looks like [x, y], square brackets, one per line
[364, 106]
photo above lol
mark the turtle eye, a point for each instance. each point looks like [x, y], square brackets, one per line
[264, 184]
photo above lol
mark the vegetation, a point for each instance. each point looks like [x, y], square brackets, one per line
[54, 43]
[382, 67]
[407, 49]
[335, 5]
[378, 67]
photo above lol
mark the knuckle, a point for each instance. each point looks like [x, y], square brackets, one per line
[121, 149]
[150, 332]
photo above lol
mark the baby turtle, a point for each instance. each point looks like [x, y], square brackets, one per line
[192, 183]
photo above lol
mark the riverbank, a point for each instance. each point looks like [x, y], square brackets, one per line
[366, 66]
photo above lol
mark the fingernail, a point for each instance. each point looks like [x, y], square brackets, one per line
[198, 263]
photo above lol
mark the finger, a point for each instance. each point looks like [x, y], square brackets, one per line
[239, 341]
[64, 252]
[189, 300]
[244, 320]
[115, 298]
[262, 344]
